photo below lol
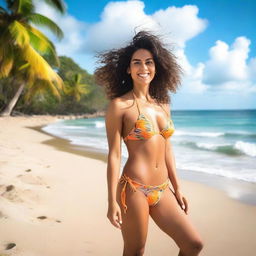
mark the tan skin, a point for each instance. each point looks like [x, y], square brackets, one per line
[150, 162]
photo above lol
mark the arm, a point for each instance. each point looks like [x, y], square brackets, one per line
[113, 121]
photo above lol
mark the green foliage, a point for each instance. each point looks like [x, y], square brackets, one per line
[22, 50]
[28, 57]
[92, 98]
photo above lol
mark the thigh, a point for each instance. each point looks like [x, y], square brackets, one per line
[135, 220]
[169, 216]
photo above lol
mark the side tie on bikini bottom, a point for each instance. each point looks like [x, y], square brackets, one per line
[152, 193]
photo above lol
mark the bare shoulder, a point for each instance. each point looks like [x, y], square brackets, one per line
[166, 107]
[118, 104]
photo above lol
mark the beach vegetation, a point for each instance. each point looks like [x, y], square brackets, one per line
[24, 50]
[92, 99]
[74, 87]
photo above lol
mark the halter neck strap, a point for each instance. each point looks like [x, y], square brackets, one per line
[137, 103]
[168, 114]
[138, 106]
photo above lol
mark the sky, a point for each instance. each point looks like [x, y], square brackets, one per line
[214, 42]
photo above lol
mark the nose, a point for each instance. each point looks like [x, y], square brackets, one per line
[144, 66]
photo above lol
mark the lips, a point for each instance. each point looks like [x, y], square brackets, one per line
[144, 75]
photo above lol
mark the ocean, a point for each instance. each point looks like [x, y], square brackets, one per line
[214, 145]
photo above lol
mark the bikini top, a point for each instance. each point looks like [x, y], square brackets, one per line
[144, 128]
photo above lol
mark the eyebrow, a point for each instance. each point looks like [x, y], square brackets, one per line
[140, 59]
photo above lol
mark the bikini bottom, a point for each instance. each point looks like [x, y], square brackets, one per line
[152, 193]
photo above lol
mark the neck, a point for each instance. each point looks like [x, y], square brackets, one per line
[142, 94]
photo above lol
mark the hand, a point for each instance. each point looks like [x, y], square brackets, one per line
[114, 215]
[182, 201]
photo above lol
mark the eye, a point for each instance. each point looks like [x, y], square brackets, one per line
[150, 62]
[136, 62]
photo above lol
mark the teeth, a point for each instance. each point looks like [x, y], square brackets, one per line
[143, 75]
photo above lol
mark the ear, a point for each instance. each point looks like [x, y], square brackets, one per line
[128, 70]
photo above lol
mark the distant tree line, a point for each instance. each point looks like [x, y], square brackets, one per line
[80, 94]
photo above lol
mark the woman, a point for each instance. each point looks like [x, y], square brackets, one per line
[137, 79]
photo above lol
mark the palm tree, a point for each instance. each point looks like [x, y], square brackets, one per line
[24, 49]
[75, 88]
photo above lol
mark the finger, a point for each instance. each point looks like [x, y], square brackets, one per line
[180, 202]
[117, 220]
[119, 215]
[115, 223]
[186, 204]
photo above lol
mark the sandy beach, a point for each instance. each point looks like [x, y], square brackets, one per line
[54, 202]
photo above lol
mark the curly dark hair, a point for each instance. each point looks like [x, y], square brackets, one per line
[112, 74]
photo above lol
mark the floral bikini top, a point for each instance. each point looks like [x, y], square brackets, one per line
[144, 129]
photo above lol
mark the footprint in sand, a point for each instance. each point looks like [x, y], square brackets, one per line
[10, 246]
[12, 194]
[2, 215]
[6, 247]
[43, 217]
[31, 179]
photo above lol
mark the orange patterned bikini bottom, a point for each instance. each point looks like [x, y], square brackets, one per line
[152, 193]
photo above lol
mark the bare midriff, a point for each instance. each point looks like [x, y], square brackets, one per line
[146, 161]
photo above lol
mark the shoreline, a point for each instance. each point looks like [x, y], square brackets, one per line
[240, 190]
[64, 195]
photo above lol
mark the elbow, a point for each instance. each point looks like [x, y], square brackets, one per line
[114, 155]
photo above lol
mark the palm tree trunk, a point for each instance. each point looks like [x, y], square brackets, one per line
[8, 110]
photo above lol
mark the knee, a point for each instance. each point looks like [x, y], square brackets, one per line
[192, 248]
[139, 251]
[195, 246]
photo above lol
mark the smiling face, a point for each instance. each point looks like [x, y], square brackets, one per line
[142, 67]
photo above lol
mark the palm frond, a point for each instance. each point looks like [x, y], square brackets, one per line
[6, 60]
[43, 45]
[67, 88]
[23, 66]
[41, 86]
[24, 7]
[43, 21]
[20, 6]
[57, 4]
[39, 68]
[24, 48]
[6, 67]
[83, 89]
[77, 78]
[19, 33]
[74, 88]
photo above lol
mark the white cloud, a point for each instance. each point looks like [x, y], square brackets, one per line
[119, 21]
[182, 23]
[228, 69]
[227, 63]
[252, 69]
[73, 30]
